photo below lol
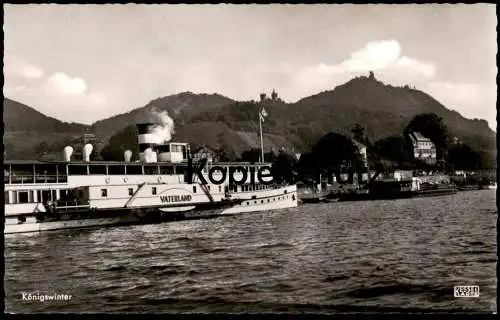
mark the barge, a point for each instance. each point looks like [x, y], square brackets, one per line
[398, 189]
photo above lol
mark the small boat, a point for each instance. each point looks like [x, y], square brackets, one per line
[311, 195]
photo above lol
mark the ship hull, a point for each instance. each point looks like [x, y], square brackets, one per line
[95, 218]
[280, 198]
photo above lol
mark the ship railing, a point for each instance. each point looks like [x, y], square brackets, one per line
[32, 179]
[72, 205]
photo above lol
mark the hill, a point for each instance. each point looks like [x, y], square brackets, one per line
[19, 117]
[382, 109]
[220, 122]
[180, 107]
[26, 129]
[216, 135]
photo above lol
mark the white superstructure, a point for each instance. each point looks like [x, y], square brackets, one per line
[32, 186]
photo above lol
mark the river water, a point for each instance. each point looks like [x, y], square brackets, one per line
[399, 255]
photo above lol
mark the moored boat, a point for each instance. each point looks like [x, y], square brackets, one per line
[398, 189]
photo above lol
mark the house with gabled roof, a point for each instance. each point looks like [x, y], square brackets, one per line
[423, 148]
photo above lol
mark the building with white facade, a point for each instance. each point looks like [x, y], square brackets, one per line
[423, 148]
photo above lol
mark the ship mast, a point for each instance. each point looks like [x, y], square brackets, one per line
[261, 140]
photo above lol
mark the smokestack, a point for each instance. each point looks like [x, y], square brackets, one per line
[86, 151]
[147, 140]
[68, 150]
[127, 155]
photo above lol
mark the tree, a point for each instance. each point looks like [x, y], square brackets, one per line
[269, 156]
[252, 155]
[394, 148]
[463, 157]
[8, 148]
[284, 168]
[359, 135]
[431, 126]
[307, 167]
[332, 151]
[125, 139]
[41, 148]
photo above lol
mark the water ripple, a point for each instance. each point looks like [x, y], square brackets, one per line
[319, 258]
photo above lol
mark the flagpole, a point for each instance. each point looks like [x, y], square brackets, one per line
[261, 140]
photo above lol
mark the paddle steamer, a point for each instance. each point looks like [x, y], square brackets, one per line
[163, 185]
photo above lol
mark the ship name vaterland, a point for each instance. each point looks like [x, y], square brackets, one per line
[165, 184]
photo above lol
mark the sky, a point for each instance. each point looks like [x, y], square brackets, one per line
[83, 63]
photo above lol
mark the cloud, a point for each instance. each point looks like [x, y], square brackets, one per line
[59, 96]
[379, 55]
[472, 100]
[67, 85]
[28, 71]
[18, 68]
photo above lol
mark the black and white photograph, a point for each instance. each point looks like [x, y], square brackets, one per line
[250, 158]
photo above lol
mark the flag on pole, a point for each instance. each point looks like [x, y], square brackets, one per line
[262, 114]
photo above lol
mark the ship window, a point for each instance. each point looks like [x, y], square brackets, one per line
[179, 170]
[268, 200]
[153, 190]
[21, 220]
[6, 197]
[166, 170]
[45, 173]
[194, 189]
[23, 197]
[261, 201]
[19, 170]
[77, 170]
[45, 196]
[130, 191]
[134, 169]
[151, 169]
[61, 170]
[255, 202]
[248, 203]
[235, 188]
[286, 191]
[104, 193]
[220, 189]
[116, 170]
[97, 169]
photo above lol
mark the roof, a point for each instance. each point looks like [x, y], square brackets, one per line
[79, 162]
[419, 137]
[242, 163]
